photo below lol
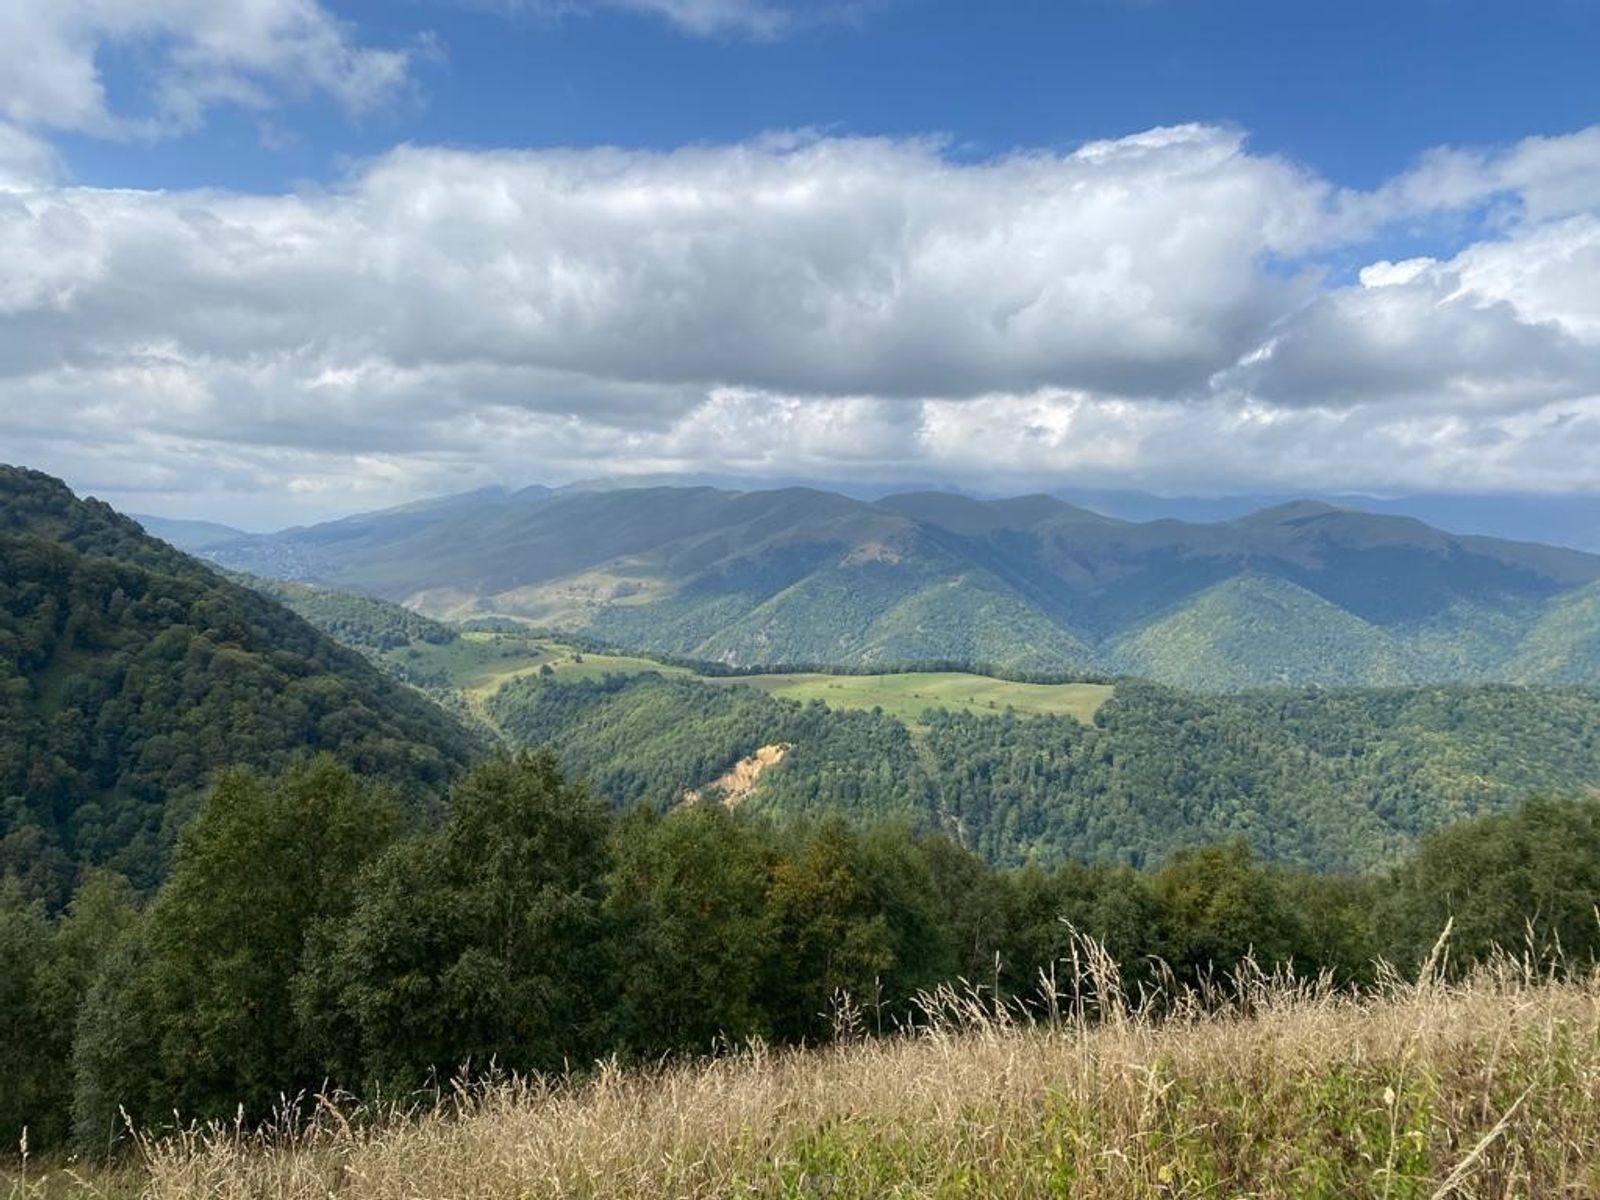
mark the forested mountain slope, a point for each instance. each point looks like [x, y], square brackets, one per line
[1342, 779]
[1318, 777]
[1301, 593]
[361, 622]
[129, 672]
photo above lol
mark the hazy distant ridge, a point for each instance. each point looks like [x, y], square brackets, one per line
[1303, 592]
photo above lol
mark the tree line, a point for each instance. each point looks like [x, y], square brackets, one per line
[717, 669]
[311, 935]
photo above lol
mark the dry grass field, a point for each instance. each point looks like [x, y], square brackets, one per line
[1267, 1088]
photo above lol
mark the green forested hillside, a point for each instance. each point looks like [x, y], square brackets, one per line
[1255, 630]
[1324, 779]
[360, 622]
[1314, 778]
[1299, 594]
[1563, 644]
[1337, 777]
[135, 672]
[130, 672]
[648, 738]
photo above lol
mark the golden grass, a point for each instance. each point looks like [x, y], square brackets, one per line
[1488, 1088]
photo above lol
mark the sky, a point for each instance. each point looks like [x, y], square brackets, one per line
[271, 261]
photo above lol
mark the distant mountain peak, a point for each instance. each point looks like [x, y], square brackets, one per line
[1292, 513]
[968, 515]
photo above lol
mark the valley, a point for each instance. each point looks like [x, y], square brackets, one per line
[330, 837]
[1125, 772]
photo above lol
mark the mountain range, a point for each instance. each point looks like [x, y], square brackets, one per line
[1570, 519]
[1300, 593]
[132, 672]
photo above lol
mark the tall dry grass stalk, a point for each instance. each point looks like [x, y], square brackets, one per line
[1262, 1085]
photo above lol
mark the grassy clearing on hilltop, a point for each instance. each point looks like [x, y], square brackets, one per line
[1279, 1089]
[478, 664]
[907, 696]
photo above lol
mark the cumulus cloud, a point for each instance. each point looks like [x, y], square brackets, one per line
[250, 53]
[25, 161]
[1429, 343]
[1509, 323]
[1539, 178]
[800, 265]
[1151, 310]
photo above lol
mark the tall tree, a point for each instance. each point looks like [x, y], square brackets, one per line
[685, 896]
[29, 1045]
[1523, 880]
[479, 944]
[854, 916]
[195, 1013]
[1218, 906]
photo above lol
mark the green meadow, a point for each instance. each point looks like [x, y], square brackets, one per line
[479, 663]
[906, 696]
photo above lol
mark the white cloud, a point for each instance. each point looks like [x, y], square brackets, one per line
[1393, 274]
[1510, 323]
[1546, 177]
[202, 53]
[1149, 310]
[25, 161]
[755, 17]
[760, 19]
[808, 266]
[1547, 272]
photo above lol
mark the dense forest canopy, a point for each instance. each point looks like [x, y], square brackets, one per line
[129, 673]
[1341, 780]
[305, 941]
[360, 622]
[1323, 778]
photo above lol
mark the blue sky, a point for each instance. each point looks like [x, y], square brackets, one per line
[275, 259]
[1356, 89]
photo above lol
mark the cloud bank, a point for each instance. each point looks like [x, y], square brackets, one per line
[1169, 309]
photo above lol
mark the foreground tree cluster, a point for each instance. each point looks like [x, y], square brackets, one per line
[311, 935]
